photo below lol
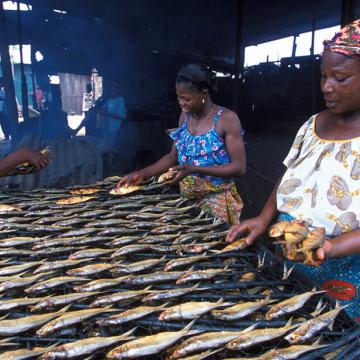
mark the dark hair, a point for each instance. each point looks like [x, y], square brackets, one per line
[198, 77]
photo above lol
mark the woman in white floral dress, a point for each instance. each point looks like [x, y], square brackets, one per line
[321, 184]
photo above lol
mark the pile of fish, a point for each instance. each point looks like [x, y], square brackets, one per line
[295, 237]
[91, 275]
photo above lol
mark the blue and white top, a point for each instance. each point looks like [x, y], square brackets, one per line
[206, 149]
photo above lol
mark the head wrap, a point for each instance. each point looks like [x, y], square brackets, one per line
[346, 41]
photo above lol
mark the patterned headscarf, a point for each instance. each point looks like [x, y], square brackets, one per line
[347, 41]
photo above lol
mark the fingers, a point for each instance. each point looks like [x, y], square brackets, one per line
[234, 232]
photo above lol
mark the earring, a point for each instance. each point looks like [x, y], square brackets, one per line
[203, 101]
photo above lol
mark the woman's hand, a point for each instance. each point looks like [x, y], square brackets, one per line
[35, 158]
[182, 171]
[251, 228]
[325, 251]
[133, 178]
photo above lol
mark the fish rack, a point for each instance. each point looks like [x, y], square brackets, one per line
[60, 230]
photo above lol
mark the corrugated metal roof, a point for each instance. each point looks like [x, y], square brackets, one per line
[77, 160]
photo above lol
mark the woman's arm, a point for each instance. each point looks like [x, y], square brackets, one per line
[342, 245]
[18, 157]
[254, 227]
[162, 165]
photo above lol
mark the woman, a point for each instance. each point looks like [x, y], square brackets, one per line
[321, 184]
[208, 149]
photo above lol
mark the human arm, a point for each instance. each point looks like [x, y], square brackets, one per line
[9, 163]
[342, 245]
[254, 227]
[229, 128]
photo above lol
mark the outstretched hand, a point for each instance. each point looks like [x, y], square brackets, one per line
[133, 178]
[251, 229]
[36, 158]
[182, 171]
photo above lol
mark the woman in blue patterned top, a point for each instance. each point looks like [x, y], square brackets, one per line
[208, 150]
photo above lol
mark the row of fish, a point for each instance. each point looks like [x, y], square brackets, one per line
[79, 256]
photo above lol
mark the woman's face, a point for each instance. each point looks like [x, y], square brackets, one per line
[340, 82]
[190, 101]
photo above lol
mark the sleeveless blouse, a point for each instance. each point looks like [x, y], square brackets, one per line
[206, 149]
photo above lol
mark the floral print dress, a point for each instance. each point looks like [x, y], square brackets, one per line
[214, 194]
[321, 186]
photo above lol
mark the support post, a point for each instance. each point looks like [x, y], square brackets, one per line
[239, 56]
[24, 88]
[10, 97]
[348, 11]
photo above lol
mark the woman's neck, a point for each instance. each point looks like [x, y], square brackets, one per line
[204, 111]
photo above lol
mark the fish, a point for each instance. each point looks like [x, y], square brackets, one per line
[119, 296]
[52, 301]
[71, 318]
[6, 208]
[167, 229]
[85, 346]
[178, 262]
[15, 269]
[164, 248]
[86, 191]
[124, 190]
[258, 336]
[290, 305]
[309, 328]
[171, 293]
[11, 304]
[20, 325]
[89, 253]
[167, 176]
[241, 310]
[189, 237]
[278, 229]
[22, 354]
[107, 222]
[57, 265]
[158, 238]
[18, 240]
[77, 232]
[153, 278]
[18, 281]
[130, 249]
[201, 356]
[191, 310]
[100, 284]
[123, 240]
[292, 352]
[53, 282]
[74, 200]
[15, 252]
[236, 245]
[199, 247]
[91, 269]
[148, 345]
[70, 221]
[183, 210]
[206, 341]
[143, 216]
[137, 266]
[131, 315]
[201, 275]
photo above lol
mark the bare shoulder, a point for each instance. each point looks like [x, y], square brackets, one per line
[229, 120]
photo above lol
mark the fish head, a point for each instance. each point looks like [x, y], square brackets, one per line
[57, 353]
